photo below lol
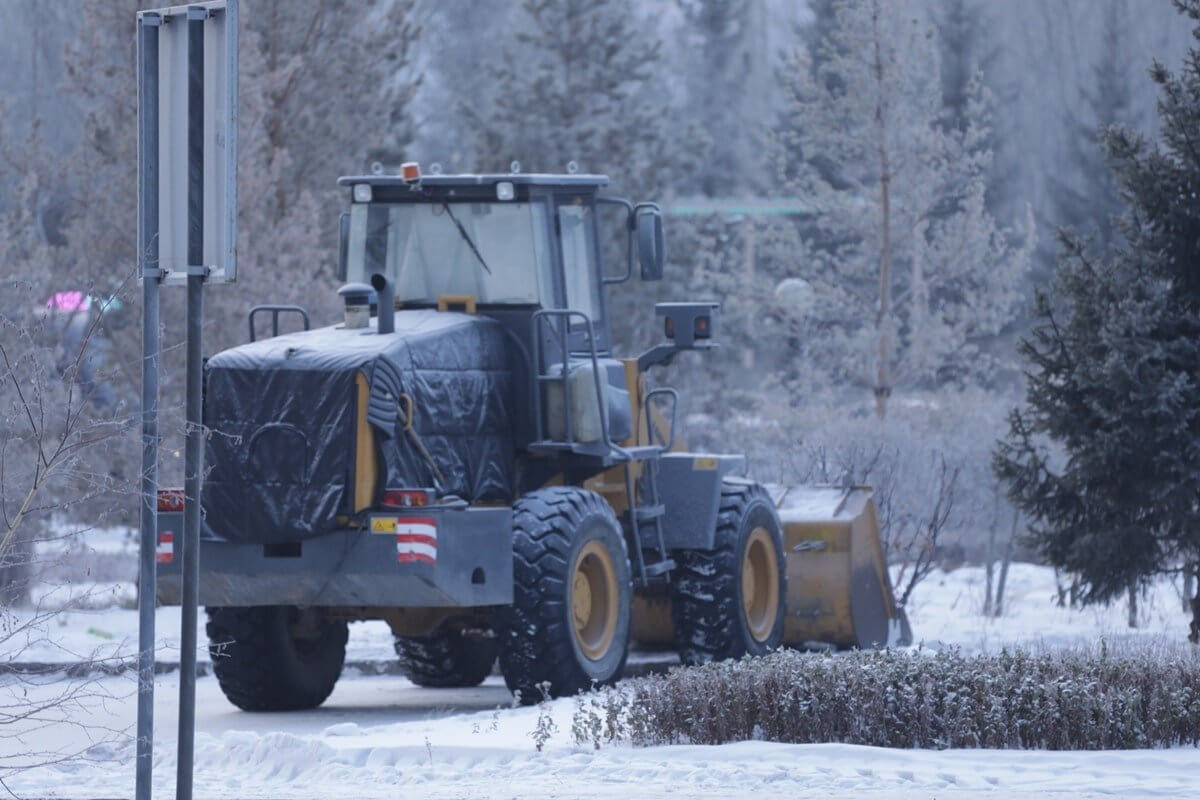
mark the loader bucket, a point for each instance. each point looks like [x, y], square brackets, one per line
[838, 588]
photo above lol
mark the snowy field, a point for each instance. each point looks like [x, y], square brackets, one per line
[380, 736]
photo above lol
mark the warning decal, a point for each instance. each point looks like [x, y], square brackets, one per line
[416, 538]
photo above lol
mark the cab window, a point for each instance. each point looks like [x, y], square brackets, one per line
[577, 234]
[492, 251]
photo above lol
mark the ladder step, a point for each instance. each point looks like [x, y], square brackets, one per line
[644, 452]
[654, 569]
[649, 513]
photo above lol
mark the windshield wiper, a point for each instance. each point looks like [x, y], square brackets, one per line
[467, 238]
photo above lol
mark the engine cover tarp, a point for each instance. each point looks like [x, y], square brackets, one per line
[281, 414]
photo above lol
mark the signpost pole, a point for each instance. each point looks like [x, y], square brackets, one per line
[194, 444]
[148, 269]
[187, 160]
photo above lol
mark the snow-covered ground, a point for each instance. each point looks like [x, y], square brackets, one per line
[945, 610]
[380, 736]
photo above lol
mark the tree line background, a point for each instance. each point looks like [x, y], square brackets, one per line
[871, 188]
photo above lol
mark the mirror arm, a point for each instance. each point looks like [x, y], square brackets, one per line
[660, 354]
[629, 224]
[343, 245]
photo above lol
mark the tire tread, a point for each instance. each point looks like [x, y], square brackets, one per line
[704, 588]
[535, 648]
[447, 659]
[252, 669]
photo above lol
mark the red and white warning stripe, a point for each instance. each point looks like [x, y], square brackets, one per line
[416, 537]
[164, 553]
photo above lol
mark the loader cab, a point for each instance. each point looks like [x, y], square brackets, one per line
[504, 245]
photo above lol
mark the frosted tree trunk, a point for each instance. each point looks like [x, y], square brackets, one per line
[1133, 605]
[16, 569]
[1194, 633]
[989, 569]
[883, 371]
[990, 557]
[750, 254]
[1189, 587]
[998, 606]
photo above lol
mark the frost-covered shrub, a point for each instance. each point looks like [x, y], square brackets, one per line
[1066, 700]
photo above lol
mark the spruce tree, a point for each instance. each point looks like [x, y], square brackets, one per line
[970, 57]
[582, 81]
[725, 59]
[1104, 456]
[1088, 199]
[964, 53]
[911, 270]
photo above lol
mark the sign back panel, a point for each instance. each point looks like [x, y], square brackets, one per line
[219, 228]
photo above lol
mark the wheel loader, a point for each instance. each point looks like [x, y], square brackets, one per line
[463, 456]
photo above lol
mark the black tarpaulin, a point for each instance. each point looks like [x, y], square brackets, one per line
[281, 414]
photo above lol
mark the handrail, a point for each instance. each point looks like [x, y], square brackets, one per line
[563, 317]
[629, 226]
[674, 395]
[275, 312]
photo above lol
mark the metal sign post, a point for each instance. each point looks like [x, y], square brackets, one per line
[187, 233]
[149, 273]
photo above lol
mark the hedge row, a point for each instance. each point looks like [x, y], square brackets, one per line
[1068, 700]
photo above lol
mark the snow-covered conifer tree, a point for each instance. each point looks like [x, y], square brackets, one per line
[910, 270]
[728, 80]
[1103, 454]
[1087, 199]
[579, 82]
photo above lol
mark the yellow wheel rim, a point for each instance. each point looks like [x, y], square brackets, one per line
[760, 584]
[594, 600]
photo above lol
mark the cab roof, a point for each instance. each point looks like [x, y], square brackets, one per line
[454, 181]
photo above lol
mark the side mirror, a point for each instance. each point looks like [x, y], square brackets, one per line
[343, 245]
[652, 246]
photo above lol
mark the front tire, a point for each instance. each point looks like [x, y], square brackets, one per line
[568, 627]
[276, 658]
[729, 601]
[447, 659]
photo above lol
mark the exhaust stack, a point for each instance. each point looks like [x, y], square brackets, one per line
[386, 292]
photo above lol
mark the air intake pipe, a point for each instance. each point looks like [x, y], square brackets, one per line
[386, 292]
[356, 297]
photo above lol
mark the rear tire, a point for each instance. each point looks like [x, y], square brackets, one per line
[447, 659]
[729, 601]
[275, 658]
[568, 627]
